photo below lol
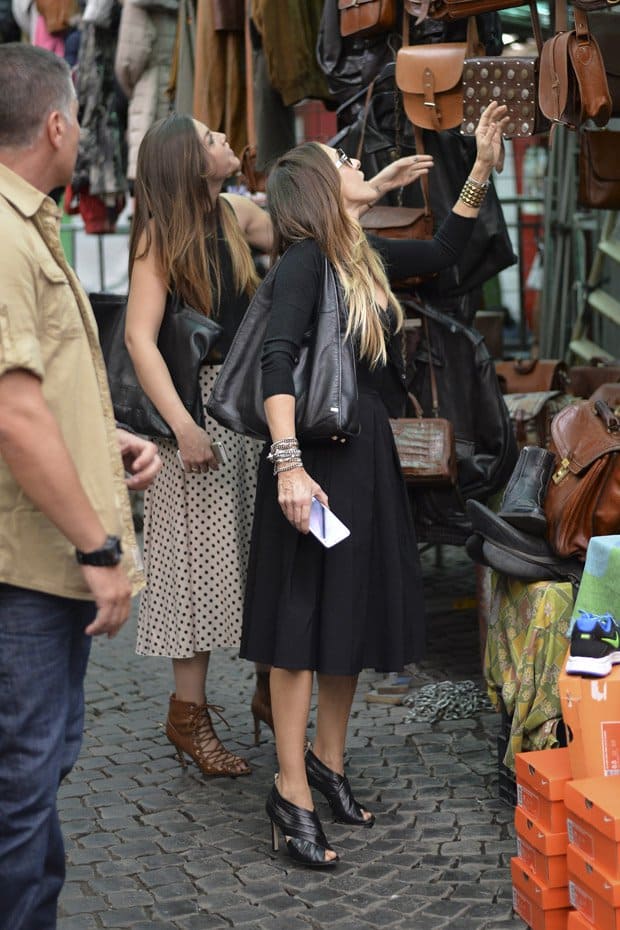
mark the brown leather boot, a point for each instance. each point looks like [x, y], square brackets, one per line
[261, 705]
[190, 730]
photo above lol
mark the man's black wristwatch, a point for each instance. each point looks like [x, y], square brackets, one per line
[109, 554]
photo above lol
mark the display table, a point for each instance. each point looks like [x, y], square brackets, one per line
[527, 640]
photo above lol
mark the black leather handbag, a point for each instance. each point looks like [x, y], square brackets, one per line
[324, 376]
[186, 339]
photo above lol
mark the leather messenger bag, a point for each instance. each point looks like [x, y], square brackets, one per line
[599, 169]
[366, 17]
[430, 78]
[605, 28]
[573, 83]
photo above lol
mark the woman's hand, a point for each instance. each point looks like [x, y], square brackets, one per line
[295, 492]
[401, 172]
[195, 449]
[489, 136]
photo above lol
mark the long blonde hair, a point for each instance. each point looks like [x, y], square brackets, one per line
[175, 212]
[305, 202]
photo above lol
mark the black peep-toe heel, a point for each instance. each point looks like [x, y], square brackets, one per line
[337, 790]
[303, 834]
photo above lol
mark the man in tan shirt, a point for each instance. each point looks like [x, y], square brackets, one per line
[69, 561]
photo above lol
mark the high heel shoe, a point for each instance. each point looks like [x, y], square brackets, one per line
[337, 790]
[261, 705]
[190, 730]
[303, 834]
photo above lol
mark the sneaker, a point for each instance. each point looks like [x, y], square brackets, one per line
[594, 645]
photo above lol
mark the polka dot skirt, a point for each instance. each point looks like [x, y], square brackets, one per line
[196, 542]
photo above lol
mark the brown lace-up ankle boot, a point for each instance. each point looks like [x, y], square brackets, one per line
[190, 730]
[261, 705]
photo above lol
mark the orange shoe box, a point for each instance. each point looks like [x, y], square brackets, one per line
[544, 853]
[593, 821]
[540, 907]
[576, 921]
[541, 778]
[592, 892]
[591, 712]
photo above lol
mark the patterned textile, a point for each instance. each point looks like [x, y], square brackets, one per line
[599, 591]
[526, 645]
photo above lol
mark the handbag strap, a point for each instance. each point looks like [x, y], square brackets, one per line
[561, 16]
[431, 368]
[415, 403]
[419, 147]
[536, 25]
[249, 76]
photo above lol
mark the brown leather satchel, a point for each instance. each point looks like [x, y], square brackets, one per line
[510, 81]
[599, 169]
[455, 9]
[583, 497]
[430, 78]
[366, 17]
[533, 374]
[573, 83]
[399, 222]
[606, 31]
[425, 445]
[584, 380]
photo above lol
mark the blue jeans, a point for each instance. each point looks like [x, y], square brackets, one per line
[43, 657]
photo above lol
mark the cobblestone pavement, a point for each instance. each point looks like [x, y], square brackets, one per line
[151, 846]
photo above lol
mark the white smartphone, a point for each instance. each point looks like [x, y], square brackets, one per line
[325, 525]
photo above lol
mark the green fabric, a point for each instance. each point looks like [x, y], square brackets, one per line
[599, 591]
[526, 646]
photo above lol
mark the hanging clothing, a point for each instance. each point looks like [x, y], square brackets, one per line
[146, 38]
[289, 30]
[100, 165]
[219, 78]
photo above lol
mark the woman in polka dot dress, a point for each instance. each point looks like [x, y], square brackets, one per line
[198, 516]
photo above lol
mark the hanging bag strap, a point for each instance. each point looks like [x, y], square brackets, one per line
[431, 369]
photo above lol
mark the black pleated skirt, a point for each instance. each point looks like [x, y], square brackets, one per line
[358, 604]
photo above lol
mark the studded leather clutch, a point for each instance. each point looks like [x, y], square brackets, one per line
[510, 81]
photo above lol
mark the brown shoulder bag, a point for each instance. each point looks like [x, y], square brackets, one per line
[430, 78]
[573, 83]
[366, 17]
[583, 497]
[599, 169]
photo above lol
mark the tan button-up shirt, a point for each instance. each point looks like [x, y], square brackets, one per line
[47, 328]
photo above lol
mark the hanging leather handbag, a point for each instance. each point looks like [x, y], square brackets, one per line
[606, 30]
[510, 81]
[187, 340]
[325, 393]
[599, 169]
[573, 82]
[430, 78]
[583, 496]
[425, 445]
[455, 9]
[523, 376]
[366, 17]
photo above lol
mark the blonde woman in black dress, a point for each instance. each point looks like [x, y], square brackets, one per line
[359, 604]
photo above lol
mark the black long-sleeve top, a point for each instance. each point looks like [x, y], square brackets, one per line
[298, 282]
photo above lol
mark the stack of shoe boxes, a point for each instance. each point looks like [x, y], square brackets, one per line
[591, 711]
[539, 871]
